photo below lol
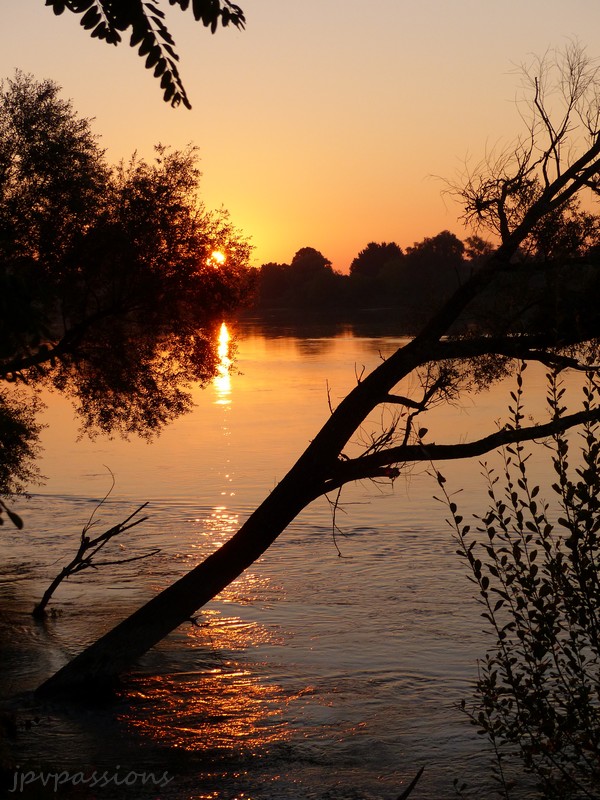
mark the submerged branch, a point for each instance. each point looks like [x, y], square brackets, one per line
[88, 548]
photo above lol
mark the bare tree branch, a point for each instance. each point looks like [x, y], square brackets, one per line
[89, 548]
[397, 399]
[375, 465]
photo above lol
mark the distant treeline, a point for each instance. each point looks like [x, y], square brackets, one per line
[381, 275]
[415, 281]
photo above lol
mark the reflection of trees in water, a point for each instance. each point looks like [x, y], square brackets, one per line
[294, 324]
[314, 347]
[383, 347]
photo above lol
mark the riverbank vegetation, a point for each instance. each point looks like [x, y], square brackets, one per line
[110, 285]
[533, 560]
[559, 262]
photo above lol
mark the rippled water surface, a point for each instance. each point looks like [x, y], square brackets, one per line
[318, 674]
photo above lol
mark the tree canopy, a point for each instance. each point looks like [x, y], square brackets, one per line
[109, 290]
[144, 21]
[374, 258]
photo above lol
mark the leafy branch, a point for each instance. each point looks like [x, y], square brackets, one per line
[536, 574]
[107, 20]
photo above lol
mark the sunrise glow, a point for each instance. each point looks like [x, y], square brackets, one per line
[217, 258]
[332, 156]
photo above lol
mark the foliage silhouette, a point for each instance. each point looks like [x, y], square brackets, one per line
[535, 568]
[107, 20]
[374, 257]
[106, 277]
[561, 270]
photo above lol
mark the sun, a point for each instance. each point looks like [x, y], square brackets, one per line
[217, 258]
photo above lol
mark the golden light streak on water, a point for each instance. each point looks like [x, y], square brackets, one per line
[221, 709]
[222, 382]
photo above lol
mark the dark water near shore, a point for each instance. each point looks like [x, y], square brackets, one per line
[313, 675]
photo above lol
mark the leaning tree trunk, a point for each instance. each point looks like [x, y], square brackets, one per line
[110, 655]
[103, 661]
[311, 476]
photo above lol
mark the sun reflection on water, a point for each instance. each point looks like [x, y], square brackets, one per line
[216, 529]
[222, 382]
[217, 709]
[214, 703]
[221, 709]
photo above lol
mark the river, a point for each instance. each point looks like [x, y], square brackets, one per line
[331, 669]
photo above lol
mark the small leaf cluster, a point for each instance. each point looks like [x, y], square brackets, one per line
[19, 443]
[537, 697]
[108, 19]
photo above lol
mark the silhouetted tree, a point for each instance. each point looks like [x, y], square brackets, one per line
[308, 261]
[273, 283]
[19, 442]
[444, 249]
[309, 282]
[434, 268]
[442, 362]
[477, 249]
[107, 286]
[566, 233]
[143, 21]
[374, 257]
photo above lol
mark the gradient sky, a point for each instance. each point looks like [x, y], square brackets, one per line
[326, 123]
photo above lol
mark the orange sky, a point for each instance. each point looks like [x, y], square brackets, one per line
[325, 122]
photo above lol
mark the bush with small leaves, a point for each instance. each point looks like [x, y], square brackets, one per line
[537, 696]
